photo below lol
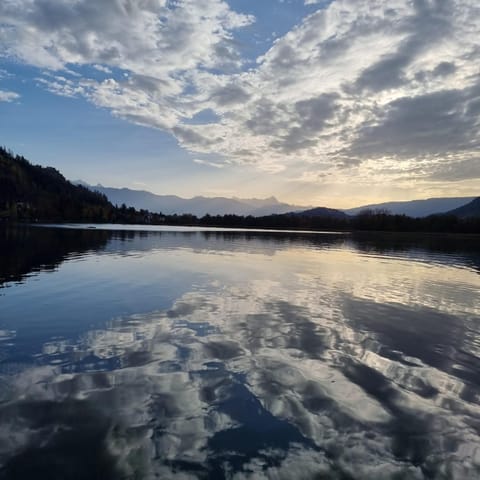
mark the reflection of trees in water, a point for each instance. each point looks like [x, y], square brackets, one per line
[30, 249]
[448, 249]
[26, 249]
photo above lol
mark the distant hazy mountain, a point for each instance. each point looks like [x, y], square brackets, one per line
[471, 209]
[416, 208]
[199, 206]
[323, 212]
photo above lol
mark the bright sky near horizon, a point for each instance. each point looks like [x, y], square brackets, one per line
[336, 103]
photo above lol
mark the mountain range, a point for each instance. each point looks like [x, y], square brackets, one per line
[199, 206]
[416, 208]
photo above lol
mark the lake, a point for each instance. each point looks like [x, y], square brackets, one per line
[185, 354]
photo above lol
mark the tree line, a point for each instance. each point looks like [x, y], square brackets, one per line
[368, 220]
[31, 193]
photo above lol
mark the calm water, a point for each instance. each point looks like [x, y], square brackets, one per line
[188, 354]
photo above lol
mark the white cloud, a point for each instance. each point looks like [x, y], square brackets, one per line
[6, 96]
[338, 91]
[5, 74]
[208, 163]
[102, 68]
[152, 37]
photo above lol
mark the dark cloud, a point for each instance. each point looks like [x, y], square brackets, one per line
[285, 58]
[191, 137]
[310, 118]
[432, 124]
[428, 25]
[295, 140]
[267, 118]
[230, 95]
[444, 68]
[146, 83]
[315, 112]
[387, 73]
[456, 171]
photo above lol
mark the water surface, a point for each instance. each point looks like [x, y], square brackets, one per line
[244, 355]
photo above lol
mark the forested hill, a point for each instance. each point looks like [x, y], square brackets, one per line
[35, 193]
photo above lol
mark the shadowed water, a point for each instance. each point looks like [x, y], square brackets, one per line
[244, 355]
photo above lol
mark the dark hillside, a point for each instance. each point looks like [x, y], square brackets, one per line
[471, 209]
[35, 193]
[322, 212]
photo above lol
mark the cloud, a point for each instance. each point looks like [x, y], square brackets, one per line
[229, 94]
[208, 163]
[468, 169]
[353, 87]
[311, 117]
[6, 96]
[444, 68]
[156, 42]
[432, 124]
[102, 68]
[427, 24]
[151, 36]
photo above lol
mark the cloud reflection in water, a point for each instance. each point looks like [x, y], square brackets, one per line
[324, 363]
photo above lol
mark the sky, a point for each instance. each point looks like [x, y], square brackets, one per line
[336, 103]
